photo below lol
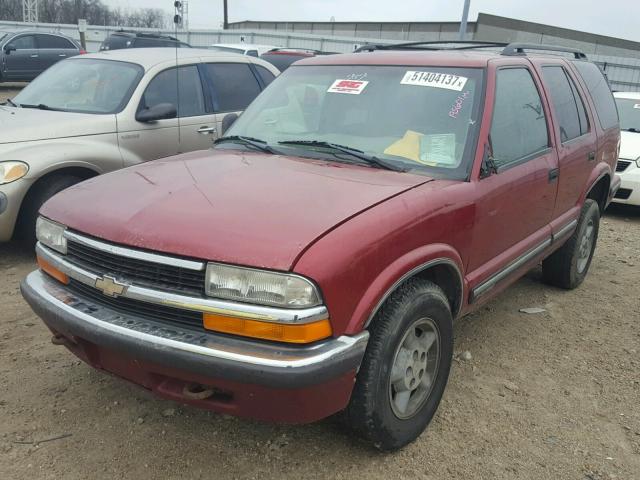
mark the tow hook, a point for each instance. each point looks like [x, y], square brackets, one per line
[196, 391]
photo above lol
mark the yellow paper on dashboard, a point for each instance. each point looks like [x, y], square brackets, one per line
[408, 146]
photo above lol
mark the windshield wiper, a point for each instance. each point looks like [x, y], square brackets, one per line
[354, 152]
[252, 142]
[41, 106]
[11, 102]
[631, 129]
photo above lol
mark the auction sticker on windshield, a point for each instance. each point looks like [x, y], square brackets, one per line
[434, 79]
[353, 87]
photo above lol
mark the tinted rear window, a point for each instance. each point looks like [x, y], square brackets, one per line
[599, 90]
[234, 84]
[565, 104]
[115, 42]
[142, 42]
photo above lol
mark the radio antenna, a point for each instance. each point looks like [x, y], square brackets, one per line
[177, 19]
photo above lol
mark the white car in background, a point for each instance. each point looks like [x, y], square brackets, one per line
[251, 49]
[629, 162]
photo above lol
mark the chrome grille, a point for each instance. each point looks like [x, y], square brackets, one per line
[140, 272]
[150, 311]
[622, 165]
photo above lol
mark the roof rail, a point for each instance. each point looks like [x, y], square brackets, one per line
[519, 49]
[434, 45]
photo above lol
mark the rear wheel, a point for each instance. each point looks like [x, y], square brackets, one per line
[40, 193]
[405, 368]
[568, 266]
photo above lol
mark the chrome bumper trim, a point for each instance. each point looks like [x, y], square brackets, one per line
[49, 296]
[133, 253]
[199, 304]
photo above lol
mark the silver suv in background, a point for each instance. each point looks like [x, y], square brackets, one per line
[26, 54]
[97, 113]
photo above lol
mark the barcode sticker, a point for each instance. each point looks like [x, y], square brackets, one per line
[435, 80]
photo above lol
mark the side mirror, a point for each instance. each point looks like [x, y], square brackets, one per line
[161, 111]
[227, 121]
[9, 48]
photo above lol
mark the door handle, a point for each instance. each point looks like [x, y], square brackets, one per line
[592, 156]
[554, 173]
[62, 54]
[34, 55]
[205, 130]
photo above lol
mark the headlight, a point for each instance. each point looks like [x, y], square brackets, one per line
[51, 234]
[12, 170]
[261, 287]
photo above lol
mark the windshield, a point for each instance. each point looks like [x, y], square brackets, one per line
[418, 118]
[83, 85]
[629, 111]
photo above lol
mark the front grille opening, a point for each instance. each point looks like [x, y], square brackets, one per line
[150, 311]
[140, 272]
[622, 165]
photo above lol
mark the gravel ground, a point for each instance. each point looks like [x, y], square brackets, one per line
[552, 395]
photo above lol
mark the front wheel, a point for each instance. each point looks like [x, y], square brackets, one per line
[405, 368]
[567, 267]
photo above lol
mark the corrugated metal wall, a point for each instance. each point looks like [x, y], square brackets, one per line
[623, 71]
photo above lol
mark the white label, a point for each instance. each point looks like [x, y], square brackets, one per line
[353, 87]
[434, 79]
[82, 25]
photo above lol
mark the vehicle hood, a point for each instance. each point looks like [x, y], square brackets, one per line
[231, 206]
[629, 145]
[30, 124]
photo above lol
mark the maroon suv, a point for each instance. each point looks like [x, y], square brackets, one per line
[315, 259]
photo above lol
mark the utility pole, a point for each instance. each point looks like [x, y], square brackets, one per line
[225, 24]
[30, 11]
[463, 22]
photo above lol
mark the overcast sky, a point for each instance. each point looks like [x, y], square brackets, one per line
[617, 18]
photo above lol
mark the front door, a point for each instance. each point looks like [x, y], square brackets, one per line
[515, 203]
[53, 48]
[23, 63]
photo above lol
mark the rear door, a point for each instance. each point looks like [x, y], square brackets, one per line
[233, 87]
[53, 48]
[576, 137]
[515, 204]
[23, 63]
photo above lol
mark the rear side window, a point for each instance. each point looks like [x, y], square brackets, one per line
[600, 92]
[164, 89]
[116, 42]
[234, 84]
[265, 75]
[53, 41]
[567, 104]
[519, 126]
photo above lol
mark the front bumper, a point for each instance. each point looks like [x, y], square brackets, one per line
[629, 191]
[262, 380]
[11, 196]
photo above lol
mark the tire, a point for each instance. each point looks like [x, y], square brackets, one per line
[375, 409]
[41, 192]
[568, 266]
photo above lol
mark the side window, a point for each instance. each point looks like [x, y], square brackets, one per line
[164, 89]
[266, 76]
[53, 41]
[600, 92]
[519, 126]
[565, 103]
[235, 86]
[24, 42]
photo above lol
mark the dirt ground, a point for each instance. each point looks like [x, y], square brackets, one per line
[554, 395]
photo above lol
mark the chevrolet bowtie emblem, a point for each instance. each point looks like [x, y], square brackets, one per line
[110, 286]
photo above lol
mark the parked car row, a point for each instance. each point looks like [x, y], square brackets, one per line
[314, 260]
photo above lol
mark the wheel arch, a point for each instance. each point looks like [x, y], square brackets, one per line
[599, 191]
[443, 267]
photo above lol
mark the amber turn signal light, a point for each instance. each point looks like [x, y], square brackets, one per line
[51, 270]
[279, 332]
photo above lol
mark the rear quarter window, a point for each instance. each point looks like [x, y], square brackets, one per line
[598, 88]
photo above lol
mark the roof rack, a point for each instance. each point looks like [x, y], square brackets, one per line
[460, 45]
[508, 48]
[519, 49]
